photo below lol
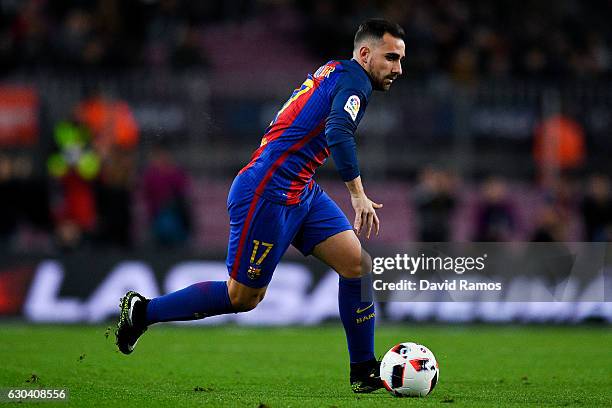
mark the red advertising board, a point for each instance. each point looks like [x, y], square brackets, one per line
[19, 107]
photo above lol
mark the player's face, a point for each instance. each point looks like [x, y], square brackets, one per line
[384, 62]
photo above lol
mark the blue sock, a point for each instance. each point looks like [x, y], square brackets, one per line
[203, 299]
[358, 318]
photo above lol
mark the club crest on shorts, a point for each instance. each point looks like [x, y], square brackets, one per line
[352, 106]
[253, 272]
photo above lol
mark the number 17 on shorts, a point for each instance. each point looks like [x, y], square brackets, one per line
[257, 258]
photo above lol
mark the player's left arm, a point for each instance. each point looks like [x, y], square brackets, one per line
[340, 128]
[365, 209]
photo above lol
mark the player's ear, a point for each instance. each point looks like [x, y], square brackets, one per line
[364, 53]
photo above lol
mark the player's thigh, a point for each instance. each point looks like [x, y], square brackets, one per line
[260, 233]
[327, 234]
[323, 220]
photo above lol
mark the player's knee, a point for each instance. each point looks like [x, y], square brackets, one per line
[245, 303]
[357, 265]
[242, 297]
[352, 271]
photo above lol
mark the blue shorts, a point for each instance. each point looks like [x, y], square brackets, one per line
[261, 230]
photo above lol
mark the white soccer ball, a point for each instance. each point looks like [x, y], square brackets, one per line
[409, 370]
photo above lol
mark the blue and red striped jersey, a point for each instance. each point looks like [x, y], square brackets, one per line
[295, 143]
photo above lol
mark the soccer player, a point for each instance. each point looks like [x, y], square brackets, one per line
[274, 202]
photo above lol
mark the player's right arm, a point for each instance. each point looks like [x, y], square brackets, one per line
[348, 106]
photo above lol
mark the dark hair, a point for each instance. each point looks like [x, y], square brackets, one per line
[376, 28]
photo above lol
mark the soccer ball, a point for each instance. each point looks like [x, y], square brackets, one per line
[409, 370]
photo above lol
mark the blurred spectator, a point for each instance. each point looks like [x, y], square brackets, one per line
[559, 147]
[495, 213]
[29, 33]
[563, 197]
[550, 225]
[556, 220]
[114, 198]
[435, 202]
[188, 53]
[464, 65]
[75, 166]
[115, 137]
[553, 261]
[596, 209]
[8, 207]
[109, 120]
[24, 198]
[164, 186]
[77, 44]
[24, 204]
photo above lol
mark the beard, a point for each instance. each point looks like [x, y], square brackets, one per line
[382, 82]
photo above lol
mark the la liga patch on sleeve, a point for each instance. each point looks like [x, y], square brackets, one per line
[352, 106]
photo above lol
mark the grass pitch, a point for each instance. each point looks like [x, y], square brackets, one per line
[480, 366]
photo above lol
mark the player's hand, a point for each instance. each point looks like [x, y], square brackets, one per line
[365, 214]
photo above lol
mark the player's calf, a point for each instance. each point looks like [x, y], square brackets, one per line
[198, 301]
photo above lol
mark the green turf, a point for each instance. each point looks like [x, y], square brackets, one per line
[480, 366]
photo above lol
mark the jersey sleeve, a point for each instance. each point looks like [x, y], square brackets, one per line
[347, 109]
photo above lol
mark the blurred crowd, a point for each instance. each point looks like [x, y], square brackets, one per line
[101, 34]
[98, 173]
[91, 182]
[570, 209]
[92, 196]
[465, 40]
[471, 39]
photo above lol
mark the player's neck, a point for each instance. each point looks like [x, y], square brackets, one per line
[364, 69]
[361, 64]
